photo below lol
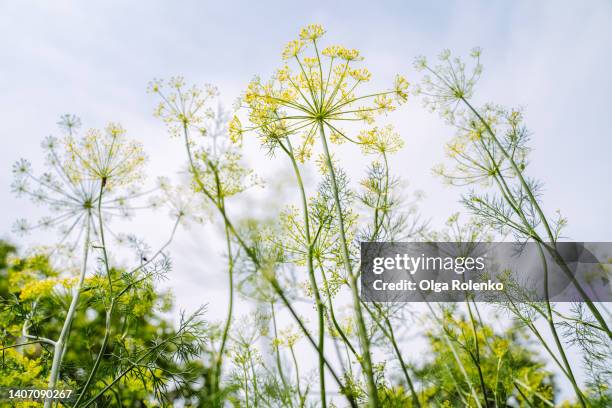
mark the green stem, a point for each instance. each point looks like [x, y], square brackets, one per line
[527, 322]
[543, 218]
[311, 275]
[109, 315]
[553, 329]
[102, 240]
[109, 311]
[455, 354]
[130, 368]
[297, 376]
[333, 316]
[476, 358]
[107, 331]
[361, 328]
[230, 308]
[506, 192]
[279, 366]
[59, 344]
[389, 334]
[250, 253]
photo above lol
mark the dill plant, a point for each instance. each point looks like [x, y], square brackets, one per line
[491, 150]
[92, 179]
[307, 252]
[308, 99]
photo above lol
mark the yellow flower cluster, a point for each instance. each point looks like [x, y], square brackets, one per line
[287, 337]
[313, 93]
[38, 288]
[380, 140]
[183, 106]
[235, 130]
[292, 49]
[456, 147]
[106, 156]
[312, 32]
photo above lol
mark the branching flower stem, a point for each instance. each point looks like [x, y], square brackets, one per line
[476, 357]
[249, 252]
[297, 376]
[453, 350]
[339, 329]
[387, 328]
[509, 198]
[543, 218]
[553, 329]
[313, 282]
[361, 328]
[27, 336]
[528, 323]
[507, 194]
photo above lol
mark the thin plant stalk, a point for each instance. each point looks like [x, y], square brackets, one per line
[500, 180]
[553, 329]
[230, 307]
[279, 365]
[476, 357]
[132, 365]
[311, 275]
[339, 329]
[253, 257]
[453, 350]
[390, 335]
[297, 376]
[110, 311]
[60, 343]
[361, 328]
[543, 218]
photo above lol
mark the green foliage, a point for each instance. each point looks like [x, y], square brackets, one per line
[505, 361]
[138, 327]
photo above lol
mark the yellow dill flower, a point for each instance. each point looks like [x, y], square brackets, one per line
[312, 32]
[289, 336]
[109, 157]
[332, 51]
[292, 49]
[77, 168]
[313, 93]
[183, 106]
[310, 62]
[183, 204]
[304, 152]
[361, 74]
[283, 74]
[475, 134]
[384, 103]
[235, 130]
[37, 288]
[349, 55]
[401, 87]
[336, 137]
[456, 147]
[365, 114]
[380, 140]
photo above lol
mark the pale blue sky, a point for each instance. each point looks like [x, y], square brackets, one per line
[95, 58]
